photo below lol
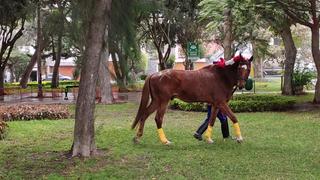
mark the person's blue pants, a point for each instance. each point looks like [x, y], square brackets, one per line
[223, 120]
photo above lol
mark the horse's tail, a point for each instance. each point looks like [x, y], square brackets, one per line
[143, 103]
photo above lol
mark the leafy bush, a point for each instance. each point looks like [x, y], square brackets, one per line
[302, 77]
[143, 76]
[243, 103]
[29, 112]
[3, 126]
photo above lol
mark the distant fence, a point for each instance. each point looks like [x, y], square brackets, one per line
[63, 93]
[20, 93]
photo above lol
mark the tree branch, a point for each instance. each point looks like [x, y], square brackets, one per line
[293, 15]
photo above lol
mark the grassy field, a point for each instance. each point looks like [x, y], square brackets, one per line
[271, 85]
[282, 145]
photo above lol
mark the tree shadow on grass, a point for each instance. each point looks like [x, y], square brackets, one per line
[35, 165]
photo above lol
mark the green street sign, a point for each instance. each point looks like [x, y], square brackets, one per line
[193, 51]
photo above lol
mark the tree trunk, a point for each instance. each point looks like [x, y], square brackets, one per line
[25, 76]
[119, 76]
[227, 28]
[1, 83]
[55, 73]
[40, 93]
[84, 141]
[316, 58]
[257, 63]
[290, 54]
[104, 78]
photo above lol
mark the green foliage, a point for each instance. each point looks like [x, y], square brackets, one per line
[18, 63]
[243, 18]
[45, 84]
[11, 11]
[302, 77]
[143, 76]
[122, 39]
[139, 64]
[243, 103]
[170, 62]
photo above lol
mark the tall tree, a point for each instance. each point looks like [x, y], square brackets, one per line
[231, 21]
[76, 42]
[157, 24]
[307, 14]
[12, 20]
[39, 62]
[188, 26]
[17, 64]
[122, 39]
[33, 60]
[104, 77]
[84, 139]
[60, 19]
[280, 23]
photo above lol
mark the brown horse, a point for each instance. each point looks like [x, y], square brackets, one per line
[211, 84]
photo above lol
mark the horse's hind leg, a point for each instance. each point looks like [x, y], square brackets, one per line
[159, 119]
[150, 109]
[226, 109]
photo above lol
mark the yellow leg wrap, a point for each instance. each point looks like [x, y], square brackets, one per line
[237, 131]
[162, 136]
[208, 133]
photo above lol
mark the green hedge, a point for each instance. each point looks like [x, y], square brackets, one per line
[243, 103]
[45, 84]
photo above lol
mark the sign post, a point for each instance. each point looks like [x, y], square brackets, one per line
[193, 51]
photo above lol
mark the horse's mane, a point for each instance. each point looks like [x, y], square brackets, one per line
[214, 67]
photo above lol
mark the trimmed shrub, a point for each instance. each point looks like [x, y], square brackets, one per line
[3, 126]
[143, 76]
[45, 84]
[243, 103]
[29, 112]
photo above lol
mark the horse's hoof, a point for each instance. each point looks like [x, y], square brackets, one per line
[209, 141]
[239, 140]
[136, 140]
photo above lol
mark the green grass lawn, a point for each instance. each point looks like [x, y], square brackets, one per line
[281, 145]
[271, 85]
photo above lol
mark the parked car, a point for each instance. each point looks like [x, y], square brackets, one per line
[61, 77]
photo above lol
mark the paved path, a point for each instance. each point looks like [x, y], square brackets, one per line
[60, 99]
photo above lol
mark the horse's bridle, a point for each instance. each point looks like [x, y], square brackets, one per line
[241, 77]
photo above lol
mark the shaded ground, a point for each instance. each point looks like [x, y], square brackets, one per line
[32, 99]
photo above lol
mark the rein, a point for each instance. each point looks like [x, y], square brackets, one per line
[234, 89]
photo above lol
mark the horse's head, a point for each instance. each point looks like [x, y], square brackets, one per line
[244, 68]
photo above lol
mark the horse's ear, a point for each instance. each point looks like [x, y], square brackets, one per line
[251, 59]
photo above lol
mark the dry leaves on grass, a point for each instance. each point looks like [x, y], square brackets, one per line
[29, 112]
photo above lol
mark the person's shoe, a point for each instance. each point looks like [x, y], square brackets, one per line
[197, 136]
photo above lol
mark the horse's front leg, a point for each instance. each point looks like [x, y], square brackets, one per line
[226, 109]
[208, 133]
